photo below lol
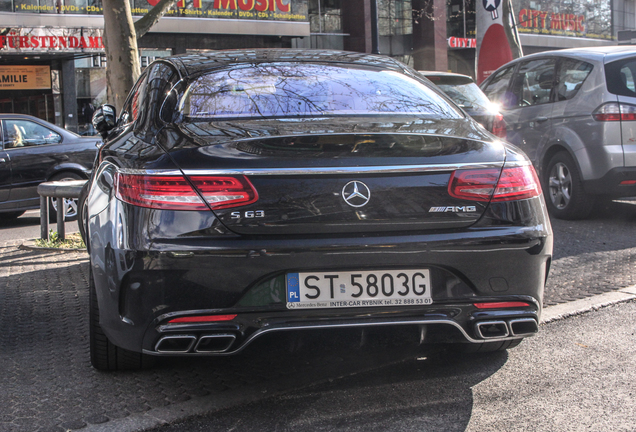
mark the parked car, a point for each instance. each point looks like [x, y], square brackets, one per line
[33, 151]
[465, 93]
[573, 112]
[243, 193]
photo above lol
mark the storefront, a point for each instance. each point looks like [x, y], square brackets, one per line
[63, 39]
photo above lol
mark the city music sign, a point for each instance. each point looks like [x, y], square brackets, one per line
[46, 40]
[564, 18]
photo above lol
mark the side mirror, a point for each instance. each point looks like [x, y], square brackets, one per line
[104, 119]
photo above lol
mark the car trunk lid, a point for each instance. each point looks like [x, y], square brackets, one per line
[337, 179]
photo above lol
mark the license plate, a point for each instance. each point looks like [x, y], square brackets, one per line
[358, 289]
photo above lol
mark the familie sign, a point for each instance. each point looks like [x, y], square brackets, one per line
[25, 77]
[25, 39]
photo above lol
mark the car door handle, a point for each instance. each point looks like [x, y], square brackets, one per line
[541, 119]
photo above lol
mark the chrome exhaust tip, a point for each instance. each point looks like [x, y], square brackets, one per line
[214, 343]
[491, 329]
[176, 344]
[523, 327]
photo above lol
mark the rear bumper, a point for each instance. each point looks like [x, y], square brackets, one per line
[443, 323]
[610, 183]
[139, 291]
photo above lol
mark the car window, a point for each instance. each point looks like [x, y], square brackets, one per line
[533, 82]
[621, 77]
[25, 133]
[133, 108]
[497, 88]
[295, 90]
[467, 96]
[572, 74]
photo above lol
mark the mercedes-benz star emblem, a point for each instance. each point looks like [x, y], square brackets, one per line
[356, 194]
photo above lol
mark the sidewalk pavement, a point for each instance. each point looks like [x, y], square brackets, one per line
[47, 383]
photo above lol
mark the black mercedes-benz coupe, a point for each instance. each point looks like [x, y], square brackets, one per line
[243, 193]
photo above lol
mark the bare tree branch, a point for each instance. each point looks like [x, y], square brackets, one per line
[146, 22]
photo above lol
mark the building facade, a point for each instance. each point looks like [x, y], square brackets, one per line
[51, 51]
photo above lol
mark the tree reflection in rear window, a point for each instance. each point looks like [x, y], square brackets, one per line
[302, 90]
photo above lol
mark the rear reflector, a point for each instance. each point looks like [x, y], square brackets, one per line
[202, 319]
[499, 305]
[628, 182]
[615, 111]
[514, 183]
[176, 193]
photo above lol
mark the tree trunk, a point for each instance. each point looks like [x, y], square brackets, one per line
[122, 54]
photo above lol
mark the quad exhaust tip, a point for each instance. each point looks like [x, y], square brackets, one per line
[175, 344]
[182, 344]
[217, 343]
[522, 327]
[492, 329]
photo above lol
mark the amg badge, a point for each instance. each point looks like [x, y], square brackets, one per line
[453, 209]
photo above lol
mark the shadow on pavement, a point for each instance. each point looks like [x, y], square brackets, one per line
[428, 392]
[47, 383]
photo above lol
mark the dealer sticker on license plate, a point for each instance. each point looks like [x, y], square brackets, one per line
[358, 289]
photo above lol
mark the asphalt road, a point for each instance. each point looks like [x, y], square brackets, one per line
[27, 226]
[578, 374]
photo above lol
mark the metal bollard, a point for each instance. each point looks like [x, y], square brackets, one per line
[58, 190]
[61, 214]
[44, 217]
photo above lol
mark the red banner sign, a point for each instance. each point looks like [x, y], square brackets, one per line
[457, 42]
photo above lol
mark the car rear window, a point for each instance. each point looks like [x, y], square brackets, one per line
[621, 77]
[467, 96]
[301, 90]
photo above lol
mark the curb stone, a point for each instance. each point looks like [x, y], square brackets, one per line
[30, 245]
[577, 307]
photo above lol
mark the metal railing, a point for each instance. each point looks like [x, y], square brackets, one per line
[58, 190]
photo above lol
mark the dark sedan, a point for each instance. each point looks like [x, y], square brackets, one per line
[465, 93]
[33, 151]
[242, 193]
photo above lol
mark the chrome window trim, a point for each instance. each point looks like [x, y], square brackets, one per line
[399, 169]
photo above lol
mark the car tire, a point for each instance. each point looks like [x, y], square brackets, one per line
[71, 203]
[11, 215]
[486, 347]
[106, 356]
[562, 185]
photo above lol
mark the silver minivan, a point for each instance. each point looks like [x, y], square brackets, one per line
[573, 112]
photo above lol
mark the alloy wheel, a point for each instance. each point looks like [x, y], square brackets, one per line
[70, 206]
[560, 185]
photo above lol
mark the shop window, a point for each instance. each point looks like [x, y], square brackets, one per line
[325, 16]
[460, 18]
[395, 17]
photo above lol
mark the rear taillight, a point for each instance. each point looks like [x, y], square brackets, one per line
[514, 183]
[499, 126]
[176, 193]
[615, 111]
